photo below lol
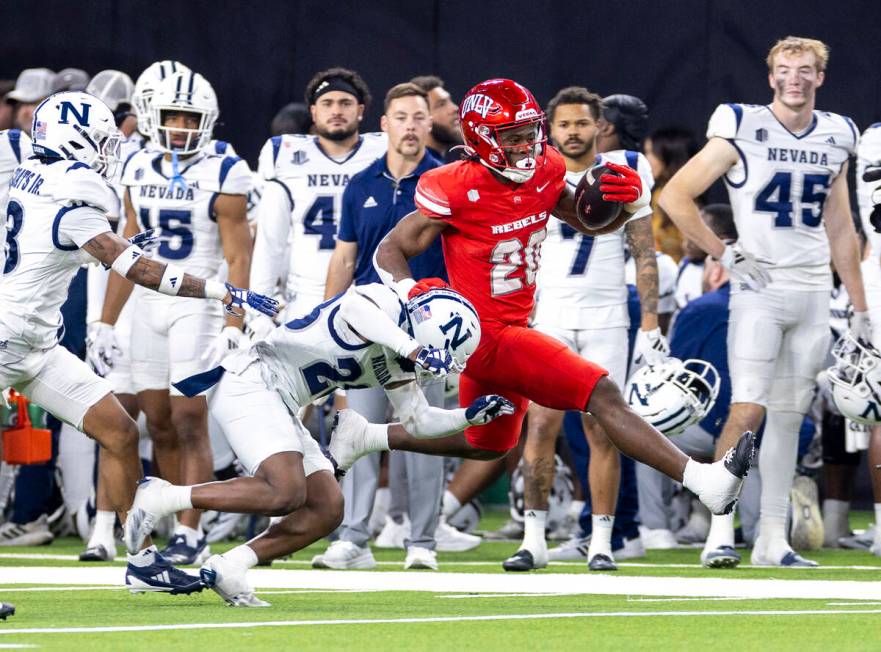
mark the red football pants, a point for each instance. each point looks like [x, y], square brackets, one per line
[523, 365]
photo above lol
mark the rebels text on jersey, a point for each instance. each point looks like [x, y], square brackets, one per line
[301, 205]
[779, 185]
[492, 242]
[307, 358]
[53, 210]
[184, 213]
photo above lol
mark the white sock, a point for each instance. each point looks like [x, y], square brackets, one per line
[191, 535]
[835, 521]
[449, 505]
[601, 537]
[534, 529]
[176, 499]
[242, 555]
[777, 459]
[144, 558]
[103, 530]
[721, 531]
[376, 437]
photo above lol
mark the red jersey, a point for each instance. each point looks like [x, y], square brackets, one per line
[492, 243]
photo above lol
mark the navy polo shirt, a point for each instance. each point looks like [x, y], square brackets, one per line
[373, 203]
[701, 331]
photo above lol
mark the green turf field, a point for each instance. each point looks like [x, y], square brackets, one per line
[469, 605]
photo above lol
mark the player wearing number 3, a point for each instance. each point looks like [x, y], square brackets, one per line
[785, 166]
[491, 212]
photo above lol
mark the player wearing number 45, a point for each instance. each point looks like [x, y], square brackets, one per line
[300, 208]
[58, 202]
[491, 213]
[785, 166]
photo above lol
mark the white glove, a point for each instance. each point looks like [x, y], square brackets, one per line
[260, 325]
[650, 348]
[745, 267]
[860, 327]
[101, 347]
[227, 341]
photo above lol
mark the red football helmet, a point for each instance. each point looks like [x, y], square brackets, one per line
[490, 113]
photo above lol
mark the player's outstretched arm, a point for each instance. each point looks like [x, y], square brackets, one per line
[426, 422]
[678, 198]
[410, 237]
[844, 245]
[129, 261]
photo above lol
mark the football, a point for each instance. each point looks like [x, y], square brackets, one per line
[597, 215]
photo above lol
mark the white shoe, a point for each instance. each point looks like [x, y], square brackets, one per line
[718, 484]
[393, 534]
[768, 552]
[859, 541]
[575, 549]
[35, 533]
[420, 558]
[658, 539]
[228, 580]
[876, 548]
[347, 439]
[146, 509]
[632, 549]
[449, 539]
[345, 555]
[98, 551]
[806, 531]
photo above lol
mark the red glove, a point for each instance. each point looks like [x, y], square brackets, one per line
[424, 285]
[626, 188]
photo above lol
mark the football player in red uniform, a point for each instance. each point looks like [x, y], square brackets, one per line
[490, 211]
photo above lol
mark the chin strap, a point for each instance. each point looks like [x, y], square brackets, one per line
[177, 179]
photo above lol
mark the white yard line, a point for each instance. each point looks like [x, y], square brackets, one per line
[437, 619]
[535, 583]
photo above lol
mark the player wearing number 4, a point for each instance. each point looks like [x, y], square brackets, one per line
[301, 203]
[785, 166]
[197, 200]
[491, 213]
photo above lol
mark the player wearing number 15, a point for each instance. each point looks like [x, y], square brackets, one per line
[785, 166]
[300, 208]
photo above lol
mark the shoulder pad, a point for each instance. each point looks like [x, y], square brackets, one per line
[725, 121]
[81, 185]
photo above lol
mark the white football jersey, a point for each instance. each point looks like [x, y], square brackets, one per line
[779, 185]
[188, 234]
[53, 210]
[301, 204]
[869, 153]
[580, 274]
[308, 358]
[15, 147]
[667, 270]
[689, 282]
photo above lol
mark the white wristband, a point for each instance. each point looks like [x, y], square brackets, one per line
[403, 288]
[215, 290]
[126, 260]
[171, 281]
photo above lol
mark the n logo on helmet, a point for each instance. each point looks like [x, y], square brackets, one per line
[82, 118]
[458, 339]
[871, 413]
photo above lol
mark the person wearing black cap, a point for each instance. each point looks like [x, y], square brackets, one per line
[306, 176]
[293, 118]
[623, 123]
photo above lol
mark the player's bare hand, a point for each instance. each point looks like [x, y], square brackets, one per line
[487, 408]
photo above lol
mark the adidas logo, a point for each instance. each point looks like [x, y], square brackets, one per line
[135, 254]
[370, 203]
[162, 577]
[173, 281]
[831, 140]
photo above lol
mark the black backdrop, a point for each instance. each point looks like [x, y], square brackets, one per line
[682, 57]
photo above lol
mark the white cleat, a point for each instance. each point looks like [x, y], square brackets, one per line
[418, 557]
[449, 539]
[719, 483]
[769, 552]
[345, 555]
[393, 534]
[347, 439]
[145, 511]
[228, 580]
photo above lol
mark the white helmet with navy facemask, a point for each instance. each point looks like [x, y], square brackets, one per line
[145, 87]
[79, 127]
[443, 319]
[185, 92]
[674, 394]
[856, 380]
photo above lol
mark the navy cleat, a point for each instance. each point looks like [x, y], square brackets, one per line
[601, 562]
[6, 610]
[520, 561]
[178, 551]
[98, 552]
[720, 557]
[161, 576]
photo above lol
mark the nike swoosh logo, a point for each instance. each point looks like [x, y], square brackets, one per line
[540, 188]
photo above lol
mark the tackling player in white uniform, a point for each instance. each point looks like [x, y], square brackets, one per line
[785, 166]
[57, 209]
[363, 338]
[582, 301]
[299, 210]
[869, 200]
[197, 200]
